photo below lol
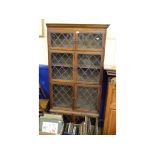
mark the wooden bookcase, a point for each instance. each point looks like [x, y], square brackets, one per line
[75, 60]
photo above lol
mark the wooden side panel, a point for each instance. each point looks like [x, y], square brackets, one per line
[112, 123]
[110, 111]
[107, 109]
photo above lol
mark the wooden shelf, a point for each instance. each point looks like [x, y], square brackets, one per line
[86, 67]
[71, 112]
[63, 65]
[79, 66]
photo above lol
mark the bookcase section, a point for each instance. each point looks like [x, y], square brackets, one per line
[76, 54]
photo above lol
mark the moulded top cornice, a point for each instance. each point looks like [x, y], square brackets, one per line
[58, 25]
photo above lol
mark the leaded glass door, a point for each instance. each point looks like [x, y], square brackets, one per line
[90, 40]
[61, 63]
[61, 39]
[62, 95]
[87, 97]
[89, 67]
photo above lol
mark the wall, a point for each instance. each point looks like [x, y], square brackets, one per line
[110, 50]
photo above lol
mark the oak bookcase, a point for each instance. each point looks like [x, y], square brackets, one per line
[75, 60]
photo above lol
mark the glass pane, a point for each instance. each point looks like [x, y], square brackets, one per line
[64, 40]
[62, 95]
[62, 59]
[89, 40]
[63, 73]
[89, 61]
[88, 75]
[87, 98]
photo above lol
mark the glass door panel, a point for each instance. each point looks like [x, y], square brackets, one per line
[61, 40]
[62, 66]
[89, 61]
[87, 98]
[89, 40]
[88, 68]
[62, 95]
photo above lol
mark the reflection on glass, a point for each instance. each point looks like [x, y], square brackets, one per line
[90, 40]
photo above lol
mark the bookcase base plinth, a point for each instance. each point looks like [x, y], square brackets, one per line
[76, 113]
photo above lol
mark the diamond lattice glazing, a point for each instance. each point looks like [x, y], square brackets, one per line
[88, 75]
[63, 73]
[87, 98]
[64, 40]
[90, 40]
[89, 61]
[62, 59]
[62, 95]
